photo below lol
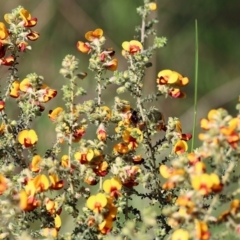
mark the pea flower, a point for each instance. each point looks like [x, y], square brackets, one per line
[3, 31]
[3, 184]
[206, 183]
[96, 203]
[27, 18]
[131, 47]
[27, 138]
[92, 35]
[112, 187]
[53, 114]
[14, 89]
[180, 147]
[180, 234]
[35, 163]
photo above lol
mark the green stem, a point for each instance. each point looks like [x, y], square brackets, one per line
[196, 85]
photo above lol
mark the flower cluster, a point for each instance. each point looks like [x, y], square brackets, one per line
[169, 82]
[133, 154]
[16, 37]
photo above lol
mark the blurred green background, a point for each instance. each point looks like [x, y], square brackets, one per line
[62, 23]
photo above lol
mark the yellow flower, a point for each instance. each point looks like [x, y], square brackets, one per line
[51, 206]
[27, 18]
[172, 78]
[96, 34]
[14, 90]
[25, 85]
[53, 114]
[56, 183]
[35, 163]
[206, 183]
[112, 186]
[96, 203]
[3, 184]
[132, 47]
[85, 156]
[41, 183]
[180, 234]
[3, 31]
[57, 222]
[152, 6]
[27, 138]
[180, 147]
[202, 230]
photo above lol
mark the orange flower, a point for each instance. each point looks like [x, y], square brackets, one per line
[180, 147]
[106, 226]
[96, 203]
[111, 65]
[92, 35]
[132, 47]
[45, 94]
[27, 18]
[27, 138]
[83, 47]
[101, 169]
[2, 128]
[14, 90]
[2, 105]
[121, 148]
[132, 136]
[3, 31]
[8, 61]
[112, 186]
[28, 202]
[3, 184]
[202, 230]
[35, 163]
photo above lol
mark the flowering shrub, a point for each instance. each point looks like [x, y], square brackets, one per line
[127, 158]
